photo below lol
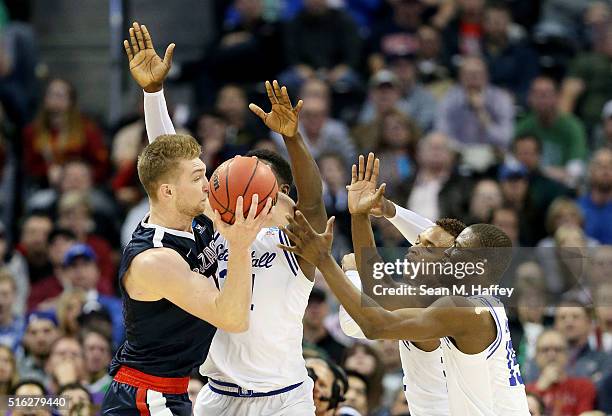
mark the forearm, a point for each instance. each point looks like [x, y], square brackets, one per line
[409, 223]
[307, 181]
[234, 300]
[157, 118]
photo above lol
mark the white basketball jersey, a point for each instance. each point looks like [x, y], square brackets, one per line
[424, 380]
[488, 383]
[268, 356]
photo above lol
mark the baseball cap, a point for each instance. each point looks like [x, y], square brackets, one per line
[78, 251]
[40, 316]
[607, 110]
[384, 77]
[510, 171]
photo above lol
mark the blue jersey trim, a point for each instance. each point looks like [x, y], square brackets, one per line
[280, 238]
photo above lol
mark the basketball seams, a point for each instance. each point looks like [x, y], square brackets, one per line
[247, 185]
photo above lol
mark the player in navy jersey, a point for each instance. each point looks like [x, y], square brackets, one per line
[172, 303]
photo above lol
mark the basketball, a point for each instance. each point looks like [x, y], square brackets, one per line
[244, 176]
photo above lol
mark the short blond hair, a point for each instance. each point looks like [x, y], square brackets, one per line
[7, 276]
[161, 158]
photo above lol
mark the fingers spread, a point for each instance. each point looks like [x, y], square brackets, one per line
[139, 37]
[354, 174]
[239, 215]
[375, 171]
[257, 110]
[330, 225]
[133, 43]
[253, 207]
[277, 91]
[147, 37]
[128, 50]
[169, 54]
[287, 248]
[298, 107]
[369, 166]
[361, 167]
[271, 96]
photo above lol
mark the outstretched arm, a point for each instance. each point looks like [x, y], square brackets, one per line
[150, 71]
[283, 119]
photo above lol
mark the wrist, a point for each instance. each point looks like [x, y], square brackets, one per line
[152, 88]
[326, 261]
[389, 211]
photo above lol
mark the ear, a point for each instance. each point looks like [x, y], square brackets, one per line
[166, 191]
[285, 188]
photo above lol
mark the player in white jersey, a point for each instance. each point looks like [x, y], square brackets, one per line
[472, 331]
[262, 371]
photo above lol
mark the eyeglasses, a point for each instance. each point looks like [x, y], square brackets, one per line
[554, 348]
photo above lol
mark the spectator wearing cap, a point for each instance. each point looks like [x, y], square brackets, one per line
[562, 135]
[98, 354]
[384, 96]
[475, 112]
[416, 101]
[82, 273]
[315, 332]
[40, 333]
[16, 264]
[11, 325]
[512, 63]
[596, 203]
[321, 133]
[602, 137]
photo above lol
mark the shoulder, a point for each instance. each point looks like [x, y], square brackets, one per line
[155, 260]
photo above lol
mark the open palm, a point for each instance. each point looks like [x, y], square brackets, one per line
[283, 117]
[146, 67]
[363, 195]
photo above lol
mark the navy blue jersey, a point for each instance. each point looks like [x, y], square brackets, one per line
[162, 339]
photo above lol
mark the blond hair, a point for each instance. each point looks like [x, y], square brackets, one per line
[161, 158]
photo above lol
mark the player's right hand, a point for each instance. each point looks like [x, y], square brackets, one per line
[363, 196]
[307, 243]
[243, 231]
[146, 67]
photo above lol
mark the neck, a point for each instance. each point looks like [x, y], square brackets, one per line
[599, 196]
[314, 335]
[578, 344]
[170, 218]
[547, 118]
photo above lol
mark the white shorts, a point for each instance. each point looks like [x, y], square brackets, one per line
[296, 402]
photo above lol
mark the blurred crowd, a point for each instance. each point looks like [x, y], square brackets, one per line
[497, 112]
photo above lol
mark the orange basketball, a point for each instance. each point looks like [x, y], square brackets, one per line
[241, 176]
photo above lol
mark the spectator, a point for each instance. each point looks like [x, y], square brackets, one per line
[601, 264]
[596, 204]
[366, 361]
[587, 85]
[68, 308]
[393, 374]
[79, 400]
[243, 127]
[315, 332]
[486, 197]
[29, 387]
[75, 214]
[83, 273]
[432, 69]
[41, 332]
[211, 132]
[512, 63]
[97, 350]
[324, 41]
[11, 325]
[335, 178]
[507, 220]
[573, 321]
[384, 96]
[396, 34]
[321, 133]
[437, 189]
[562, 136]
[464, 33]
[474, 112]
[60, 240]
[527, 149]
[604, 397]
[16, 264]
[8, 370]
[61, 133]
[323, 385]
[357, 393]
[65, 364]
[601, 338]
[33, 245]
[603, 134]
[535, 404]
[562, 394]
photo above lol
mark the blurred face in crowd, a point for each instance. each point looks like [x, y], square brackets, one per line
[314, 88]
[603, 306]
[76, 177]
[57, 97]
[231, 101]
[496, 23]
[356, 395]
[58, 247]
[526, 151]
[7, 366]
[83, 274]
[485, 198]
[407, 11]
[471, 6]
[76, 218]
[531, 306]
[68, 310]
[389, 352]
[249, 9]
[361, 361]
[573, 323]
[601, 170]
[384, 97]
[97, 352]
[601, 264]
[405, 70]
[551, 348]
[400, 405]
[434, 153]
[323, 385]
[39, 336]
[79, 402]
[30, 390]
[543, 97]
[316, 311]
[66, 350]
[333, 172]
[514, 190]
[507, 220]
[567, 214]
[34, 236]
[7, 299]
[211, 128]
[535, 409]
[313, 116]
[473, 74]
[429, 42]
[395, 131]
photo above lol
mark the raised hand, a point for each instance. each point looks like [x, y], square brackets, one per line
[308, 244]
[243, 231]
[283, 117]
[363, 196]
[146, 67]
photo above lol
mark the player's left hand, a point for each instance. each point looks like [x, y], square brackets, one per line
[363, 196]
[308, 244]
[283, 117]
